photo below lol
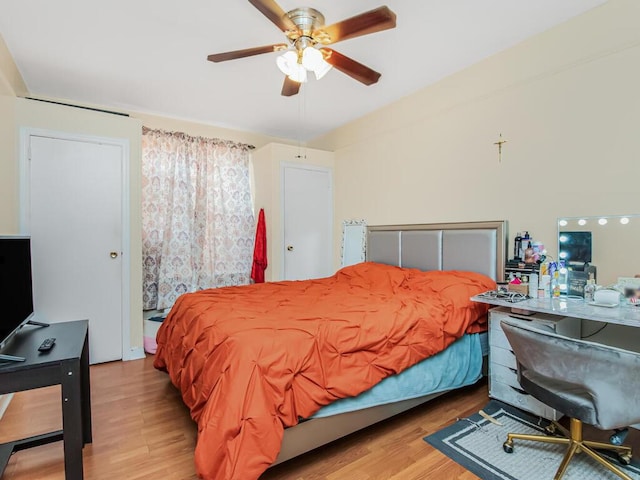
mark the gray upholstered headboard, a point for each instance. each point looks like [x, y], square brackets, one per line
[472, 246]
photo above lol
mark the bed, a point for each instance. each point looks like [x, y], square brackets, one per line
[271, 371]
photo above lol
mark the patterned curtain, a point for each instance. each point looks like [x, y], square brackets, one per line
[197, 215]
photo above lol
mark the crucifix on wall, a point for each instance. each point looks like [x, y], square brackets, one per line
[499, 143]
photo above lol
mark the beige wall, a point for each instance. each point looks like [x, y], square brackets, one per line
[567, 102]
[8, 166]
[267, 162]
[11, 82]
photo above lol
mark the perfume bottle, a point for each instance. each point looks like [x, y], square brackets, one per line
[555, 280]
[563, 277]
[517, 245]
[526, 240]
[590, 289]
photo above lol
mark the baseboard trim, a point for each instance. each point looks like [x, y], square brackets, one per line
[135, 353]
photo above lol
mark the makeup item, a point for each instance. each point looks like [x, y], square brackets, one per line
[544, 268]
[529, 254]
[533, 285]
[538, 249]
[555, 285]
[523, 244]
[545, 285]
[589, 290]
[563, 276]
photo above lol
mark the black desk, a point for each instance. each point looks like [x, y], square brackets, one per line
[67, 365]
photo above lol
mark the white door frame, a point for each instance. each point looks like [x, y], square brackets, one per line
[25, 208]
[303, 166]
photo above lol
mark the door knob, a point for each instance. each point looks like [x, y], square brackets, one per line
[290, 248]
[113, 254]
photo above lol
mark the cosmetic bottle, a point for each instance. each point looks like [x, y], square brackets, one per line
[533, 285]
[517, 245]
[555, 280]
[545, 285]
[523, 244]
[563, 276]
[589, 289]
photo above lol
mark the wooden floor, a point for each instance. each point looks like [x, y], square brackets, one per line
[142, 430]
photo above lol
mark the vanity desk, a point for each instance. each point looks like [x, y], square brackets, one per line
[572, 317]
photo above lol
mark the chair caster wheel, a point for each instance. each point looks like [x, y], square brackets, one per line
[619, 436]
[624, 458]
[508, 448]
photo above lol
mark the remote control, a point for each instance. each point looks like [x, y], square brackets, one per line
[47, 344]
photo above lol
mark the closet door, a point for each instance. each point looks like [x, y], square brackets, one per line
[75, 219]
[307, 219]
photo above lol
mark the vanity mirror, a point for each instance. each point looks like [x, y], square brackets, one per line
[610, 241]
[354, 242]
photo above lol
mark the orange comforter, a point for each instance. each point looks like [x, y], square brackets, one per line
[252, 360]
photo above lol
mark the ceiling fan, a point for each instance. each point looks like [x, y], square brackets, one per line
[307, 35]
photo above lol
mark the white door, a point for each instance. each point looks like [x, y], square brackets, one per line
[307, 220]
[75, 221]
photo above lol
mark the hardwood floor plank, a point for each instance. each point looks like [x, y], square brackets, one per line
[143, 431]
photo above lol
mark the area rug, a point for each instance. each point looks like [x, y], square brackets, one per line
[476, 444]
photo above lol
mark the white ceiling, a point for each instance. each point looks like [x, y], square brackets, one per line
[150, 55]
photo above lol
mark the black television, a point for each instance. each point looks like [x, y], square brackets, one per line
[16, 292]
[575, 247]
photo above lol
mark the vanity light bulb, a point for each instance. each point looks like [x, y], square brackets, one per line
[563, 223]
[582, 222]
[602, 221]
[624, 220]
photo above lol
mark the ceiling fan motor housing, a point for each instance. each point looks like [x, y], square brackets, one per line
[307, 20]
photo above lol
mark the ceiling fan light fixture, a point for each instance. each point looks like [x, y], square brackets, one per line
[288, 62]
[322, 70]
[312, 58]
[298, 74]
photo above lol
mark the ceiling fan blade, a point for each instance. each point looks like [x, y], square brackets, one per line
[348, 66]
[290, 87]
[372, 21]
[275, 13]
[247, 52]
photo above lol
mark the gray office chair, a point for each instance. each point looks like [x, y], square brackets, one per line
[588, 382]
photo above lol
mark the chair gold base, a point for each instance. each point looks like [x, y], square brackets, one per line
[573, 439]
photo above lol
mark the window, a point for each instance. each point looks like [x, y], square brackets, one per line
[197, 216]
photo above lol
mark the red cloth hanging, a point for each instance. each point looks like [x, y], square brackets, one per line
[260, 250]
